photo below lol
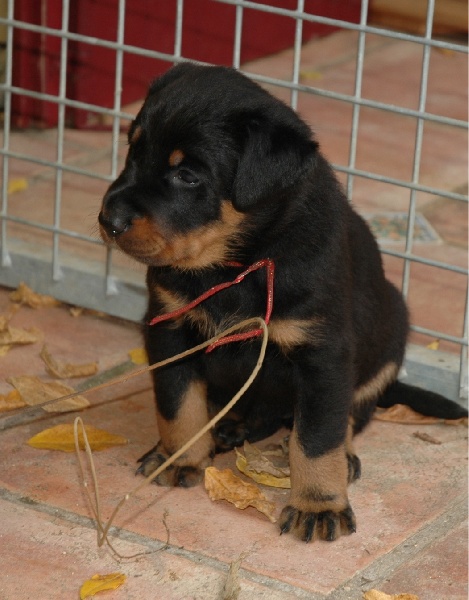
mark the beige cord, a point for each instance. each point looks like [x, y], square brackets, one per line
[104, 529]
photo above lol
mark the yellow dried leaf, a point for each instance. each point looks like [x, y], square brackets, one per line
[4, 350]
[399, 413]
[434, 345]
[258, 467]
[377, 595]
[35, 391]
[138, 356]
[24, 295]
[10, 336]
[11, 401]
[224, 485]
[63, 370]
[101, 583]
[17, 185]
[62, 437]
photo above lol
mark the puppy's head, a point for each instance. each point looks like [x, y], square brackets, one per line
[208, 151]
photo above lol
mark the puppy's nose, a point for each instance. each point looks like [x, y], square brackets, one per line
[114, 225]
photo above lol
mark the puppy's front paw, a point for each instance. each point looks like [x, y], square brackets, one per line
[326, 525]
[177, 474]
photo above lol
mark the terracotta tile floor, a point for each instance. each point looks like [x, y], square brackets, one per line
[410, 503]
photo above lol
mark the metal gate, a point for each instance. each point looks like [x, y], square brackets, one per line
[57, 71]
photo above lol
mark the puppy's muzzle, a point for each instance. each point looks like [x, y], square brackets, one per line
[117, 212]
[114, 225]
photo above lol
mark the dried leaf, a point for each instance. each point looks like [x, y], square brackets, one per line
[101, 583]
[11, 401]
[426, 438]
[24, 295]
[399, 413]
[63, 370]
[224, 485]
[62, 437]
[10, 336]
[377, 595]
[255, 464]
[232, 588]
[434, 345]
[462, 421]
[17, 185]
[138, 356]
[35, 391]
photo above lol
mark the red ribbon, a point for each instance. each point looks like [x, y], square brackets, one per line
[268, 264]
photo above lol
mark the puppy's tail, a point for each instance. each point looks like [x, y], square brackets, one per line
[422, 401]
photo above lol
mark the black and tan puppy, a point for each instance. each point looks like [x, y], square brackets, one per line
[220, 171]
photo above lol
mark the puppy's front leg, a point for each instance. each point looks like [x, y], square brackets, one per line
[318, 507]
[181, 411]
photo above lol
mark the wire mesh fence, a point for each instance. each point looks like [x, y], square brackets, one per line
[75, 73]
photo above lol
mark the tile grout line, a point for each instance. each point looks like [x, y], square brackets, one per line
[371, 576]
[156, 545]
[376, 573]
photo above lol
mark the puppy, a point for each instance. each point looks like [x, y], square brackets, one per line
[220, 175]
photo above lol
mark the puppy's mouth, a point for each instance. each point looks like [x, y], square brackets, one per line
[140, 240]
[204, 246]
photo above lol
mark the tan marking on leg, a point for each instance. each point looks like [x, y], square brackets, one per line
[318, 484]
[175, 158]
[349, 447]
[191, 417]
[376, 385]
[288, 333]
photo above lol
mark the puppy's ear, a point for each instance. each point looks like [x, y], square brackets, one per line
[275, 156]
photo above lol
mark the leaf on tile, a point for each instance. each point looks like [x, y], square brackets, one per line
[138, 356]
[101, 583]
[62, 437]
[12, 336]
[399, 413]
[434, 345]
[63, 370]
[35, 391]
[232, 588]
[377, 595]
[255, 464]
[225, 485]
[425, 437]
[11, 401]
[25, 295]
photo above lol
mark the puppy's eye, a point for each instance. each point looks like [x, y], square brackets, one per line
[187, 176]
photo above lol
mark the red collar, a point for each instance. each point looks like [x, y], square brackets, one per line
[268, 264]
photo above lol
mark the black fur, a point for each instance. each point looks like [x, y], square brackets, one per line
[217, 171]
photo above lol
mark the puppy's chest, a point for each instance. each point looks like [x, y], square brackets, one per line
[230, 307]
[213, 313]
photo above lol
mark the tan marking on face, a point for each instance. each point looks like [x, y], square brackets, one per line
[136, 134]
[318, 484]
[191, 417]
[209, 244]
[175, 158]
[288, 333]
[206, 246]
[372, 389]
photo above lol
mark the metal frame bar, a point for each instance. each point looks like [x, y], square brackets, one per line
[112, 285]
